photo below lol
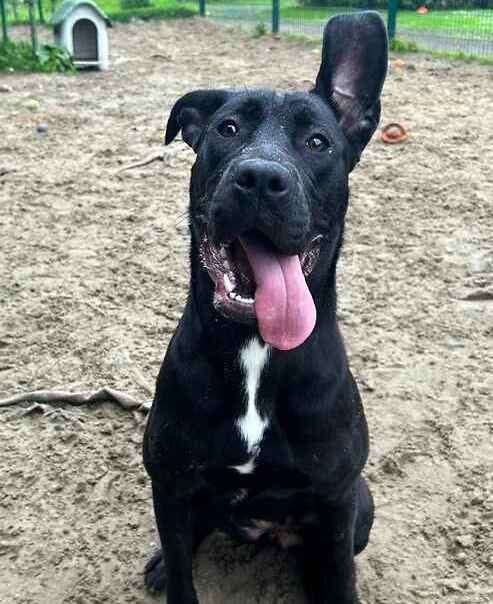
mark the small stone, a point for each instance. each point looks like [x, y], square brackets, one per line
[477, 499]
[5, 88]
[461, 557]
[32, 104]
[450, 585]
[390, 466]
[106, 428]
[464, 541]
[42, 128]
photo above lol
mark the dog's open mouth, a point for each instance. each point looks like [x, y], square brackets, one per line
[254, 282]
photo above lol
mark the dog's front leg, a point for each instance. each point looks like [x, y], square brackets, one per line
[328, 556]
[175, 522]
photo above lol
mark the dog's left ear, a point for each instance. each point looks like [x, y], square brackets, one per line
[191, 113]
[352, 72]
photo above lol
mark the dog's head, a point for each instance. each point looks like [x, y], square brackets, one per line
[269, 187]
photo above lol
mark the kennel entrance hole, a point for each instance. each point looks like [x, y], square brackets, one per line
[85, 37]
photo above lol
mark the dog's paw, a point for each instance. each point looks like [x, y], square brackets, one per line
[155, 572]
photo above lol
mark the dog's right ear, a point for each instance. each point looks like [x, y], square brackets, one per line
[191, 113]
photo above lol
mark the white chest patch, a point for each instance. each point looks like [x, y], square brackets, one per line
[253, 358]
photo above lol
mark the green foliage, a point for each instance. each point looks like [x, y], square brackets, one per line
[260, 30]
[117, 10]
[54, 58]
[19, 56]
[402, 46]
[172, 11]
[126, 4]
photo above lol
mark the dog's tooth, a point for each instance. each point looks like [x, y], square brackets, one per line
[242, 299]
[228, 284]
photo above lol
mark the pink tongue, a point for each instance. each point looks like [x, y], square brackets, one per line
[284, 307]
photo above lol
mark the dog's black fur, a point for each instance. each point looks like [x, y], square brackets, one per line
[276, 165]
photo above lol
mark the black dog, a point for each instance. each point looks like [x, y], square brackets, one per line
[257, 426]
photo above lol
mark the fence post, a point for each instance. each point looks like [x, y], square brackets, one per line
[392, 18]
[41, 12]
[32, 24]
[275, 16]
[4, 21]
[202, 8]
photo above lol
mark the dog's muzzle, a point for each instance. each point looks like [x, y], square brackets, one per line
[261, 195]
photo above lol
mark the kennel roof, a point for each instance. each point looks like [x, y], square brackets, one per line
[67, 7]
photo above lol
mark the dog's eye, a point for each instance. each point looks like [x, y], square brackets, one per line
[317, 142]
[228, 128]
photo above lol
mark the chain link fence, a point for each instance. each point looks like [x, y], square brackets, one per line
[450, 26]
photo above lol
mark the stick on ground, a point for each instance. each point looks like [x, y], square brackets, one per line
[143, 162]
[77, 398]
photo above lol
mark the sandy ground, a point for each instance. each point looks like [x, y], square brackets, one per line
[93, 276]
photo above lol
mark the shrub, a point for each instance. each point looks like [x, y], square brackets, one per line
[19, 56]
[173, 11]
[403, 46]
[260, 30]
[127, 4]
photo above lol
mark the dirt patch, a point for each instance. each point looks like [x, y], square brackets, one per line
[93, 277]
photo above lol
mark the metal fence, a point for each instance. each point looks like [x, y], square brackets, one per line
[32, 11]
[457, 26]
[467, 30]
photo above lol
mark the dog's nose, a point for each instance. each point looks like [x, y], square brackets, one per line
[264, 178]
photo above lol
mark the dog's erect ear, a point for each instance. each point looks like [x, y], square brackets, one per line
[191, 113]
[351, 76]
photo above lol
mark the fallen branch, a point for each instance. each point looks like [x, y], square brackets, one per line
[144, 162]
[160, 55]
[77, 398]
[141, 381]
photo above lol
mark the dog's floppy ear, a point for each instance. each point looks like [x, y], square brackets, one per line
[191, 113]
[352, 72]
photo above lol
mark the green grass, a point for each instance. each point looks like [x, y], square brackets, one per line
[455, 22]
[459, 23]
[443, 21]
[174, 10]
[160, 9]
[463, 21]
[402, 46]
